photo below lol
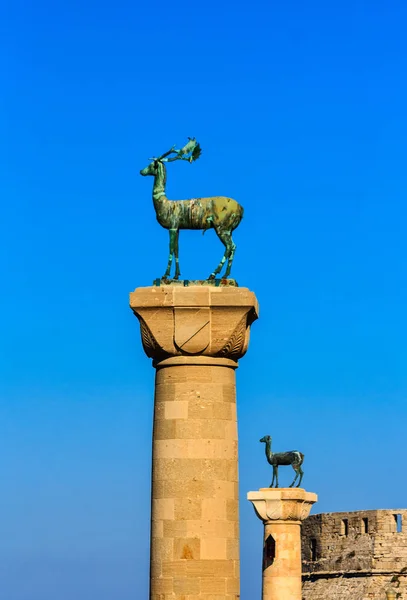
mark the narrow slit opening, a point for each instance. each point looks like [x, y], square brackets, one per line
[399, 523]
[269, 552]
[344, 527]
[313, 549]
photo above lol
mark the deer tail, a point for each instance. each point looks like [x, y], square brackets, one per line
[237, 217]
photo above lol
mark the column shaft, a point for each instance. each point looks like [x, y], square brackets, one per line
[282, 578]
[195, 534]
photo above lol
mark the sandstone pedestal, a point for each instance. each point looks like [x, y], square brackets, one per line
[195, 336]
[282, 511]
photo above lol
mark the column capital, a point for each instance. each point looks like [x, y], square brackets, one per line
[198, 320]
[282, 504]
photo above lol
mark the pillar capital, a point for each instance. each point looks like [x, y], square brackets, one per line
[282, 504]
[194, 321]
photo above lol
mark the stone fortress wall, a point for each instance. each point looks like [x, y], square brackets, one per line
[355, 555]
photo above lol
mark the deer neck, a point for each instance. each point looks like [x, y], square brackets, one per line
[160, 180]
[269, 453]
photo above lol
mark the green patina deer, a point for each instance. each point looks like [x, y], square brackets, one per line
[293, 458]
[218, 212]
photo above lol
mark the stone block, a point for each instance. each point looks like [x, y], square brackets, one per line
[162, 585]
[232, 510]
[188, 509]
[214, 508]
[210, 568]
[186, 585]
[213, 548]
[232, 548]
[175, 529]
[176, 409]
[215, 585]
[163, 508]
[187, 548]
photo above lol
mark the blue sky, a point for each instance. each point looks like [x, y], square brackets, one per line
[300, 110]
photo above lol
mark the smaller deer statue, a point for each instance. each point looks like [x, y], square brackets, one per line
[293, 458]
[218, 212]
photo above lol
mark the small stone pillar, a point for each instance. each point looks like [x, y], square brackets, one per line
[195, 336]
[282, 510]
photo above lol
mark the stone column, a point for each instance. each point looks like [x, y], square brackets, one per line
[282, 511]
[195, 335]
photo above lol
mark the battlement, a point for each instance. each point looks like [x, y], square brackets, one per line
[368, 546]
[360, 540]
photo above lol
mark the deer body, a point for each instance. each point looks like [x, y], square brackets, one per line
[198, 213]
[218, 212]
[293, 457]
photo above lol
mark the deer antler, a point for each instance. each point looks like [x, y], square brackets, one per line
[163, 156]
[190, 152]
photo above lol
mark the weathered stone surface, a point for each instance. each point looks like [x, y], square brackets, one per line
[282, 511]
[195, 335]
[356, 555]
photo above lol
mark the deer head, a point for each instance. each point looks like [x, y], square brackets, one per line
[190, 152]
[265, 439]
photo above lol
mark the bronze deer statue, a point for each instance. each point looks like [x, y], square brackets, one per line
[293, 458]
[218, 212]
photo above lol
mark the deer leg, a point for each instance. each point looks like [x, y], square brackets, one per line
[224, 237]
[173, 233]
[177, 271]
[295, 467]
[298, 473]
[301, 472]
[276, 467]
[274, 476]
[231, 256]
